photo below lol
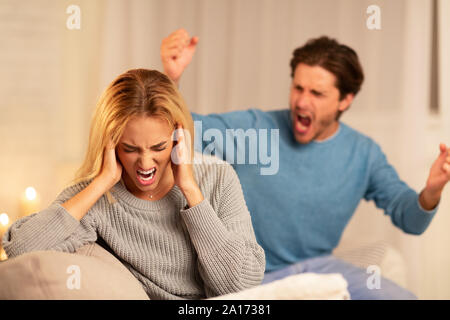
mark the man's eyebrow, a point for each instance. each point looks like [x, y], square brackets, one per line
[298, 86]
[154, 146]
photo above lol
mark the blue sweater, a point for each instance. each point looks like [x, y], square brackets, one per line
[301, 204]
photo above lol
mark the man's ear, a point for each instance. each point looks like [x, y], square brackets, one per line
[345, 103]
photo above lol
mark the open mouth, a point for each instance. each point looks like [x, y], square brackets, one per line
[146, 177]
[303, 123]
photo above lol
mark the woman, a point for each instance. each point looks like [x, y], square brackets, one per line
[182, 230]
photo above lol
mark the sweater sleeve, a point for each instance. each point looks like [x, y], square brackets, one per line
[212, 129]
[230, 259]
[53, 228]
[398, 200]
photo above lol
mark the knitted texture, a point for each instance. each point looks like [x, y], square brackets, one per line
[301, 208]
[176, 253]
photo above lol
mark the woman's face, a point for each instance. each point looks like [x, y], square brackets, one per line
[144, 151]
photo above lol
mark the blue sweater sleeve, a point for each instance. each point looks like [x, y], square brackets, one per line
[398, 200]
[211, 130]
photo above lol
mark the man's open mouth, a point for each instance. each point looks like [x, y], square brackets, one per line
[305, 120]
[302, 123]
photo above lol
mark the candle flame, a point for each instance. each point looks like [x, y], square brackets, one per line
[30, 193]
[4, 219]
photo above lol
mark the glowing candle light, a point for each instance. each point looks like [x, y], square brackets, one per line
[4, 222]
[30, 193]
[4, 219]
[30, 202]
[4, 225]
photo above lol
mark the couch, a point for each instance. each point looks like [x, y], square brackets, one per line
[52, 275]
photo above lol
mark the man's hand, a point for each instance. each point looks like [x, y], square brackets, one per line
[176, 53]
[438, 178]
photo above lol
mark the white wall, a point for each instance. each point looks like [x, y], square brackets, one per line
[52, 77]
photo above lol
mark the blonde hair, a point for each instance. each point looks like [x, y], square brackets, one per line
[137, 92]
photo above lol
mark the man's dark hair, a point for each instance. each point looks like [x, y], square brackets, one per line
[340, 60]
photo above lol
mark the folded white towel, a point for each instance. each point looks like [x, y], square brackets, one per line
[304, 286]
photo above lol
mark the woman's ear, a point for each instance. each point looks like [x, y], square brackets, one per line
[117, 157]
[174, 138]
[174, 134]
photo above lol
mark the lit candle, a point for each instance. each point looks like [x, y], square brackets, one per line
[4, 223]
[30, 202]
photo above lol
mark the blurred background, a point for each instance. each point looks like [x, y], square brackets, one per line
[54, 67]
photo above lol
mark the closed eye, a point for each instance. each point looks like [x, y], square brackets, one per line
[154, 149]
[299, 88]
[158, 147]
[317, 93]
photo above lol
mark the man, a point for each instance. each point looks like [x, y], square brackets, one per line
[325, 167]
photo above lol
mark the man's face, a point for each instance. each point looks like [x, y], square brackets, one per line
[315, 104]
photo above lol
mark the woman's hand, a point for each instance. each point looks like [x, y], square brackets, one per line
[111, 171]
[182, 169]
[109, 175]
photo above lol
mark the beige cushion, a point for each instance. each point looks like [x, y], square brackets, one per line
[56, 275]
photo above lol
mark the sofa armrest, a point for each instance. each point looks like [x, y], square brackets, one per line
[90, 273]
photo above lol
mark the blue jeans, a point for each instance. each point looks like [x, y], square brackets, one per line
[356, 278]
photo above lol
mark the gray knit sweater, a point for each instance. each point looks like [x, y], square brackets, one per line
[175, 253]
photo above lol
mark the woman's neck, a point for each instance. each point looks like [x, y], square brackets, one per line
[164, 186]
